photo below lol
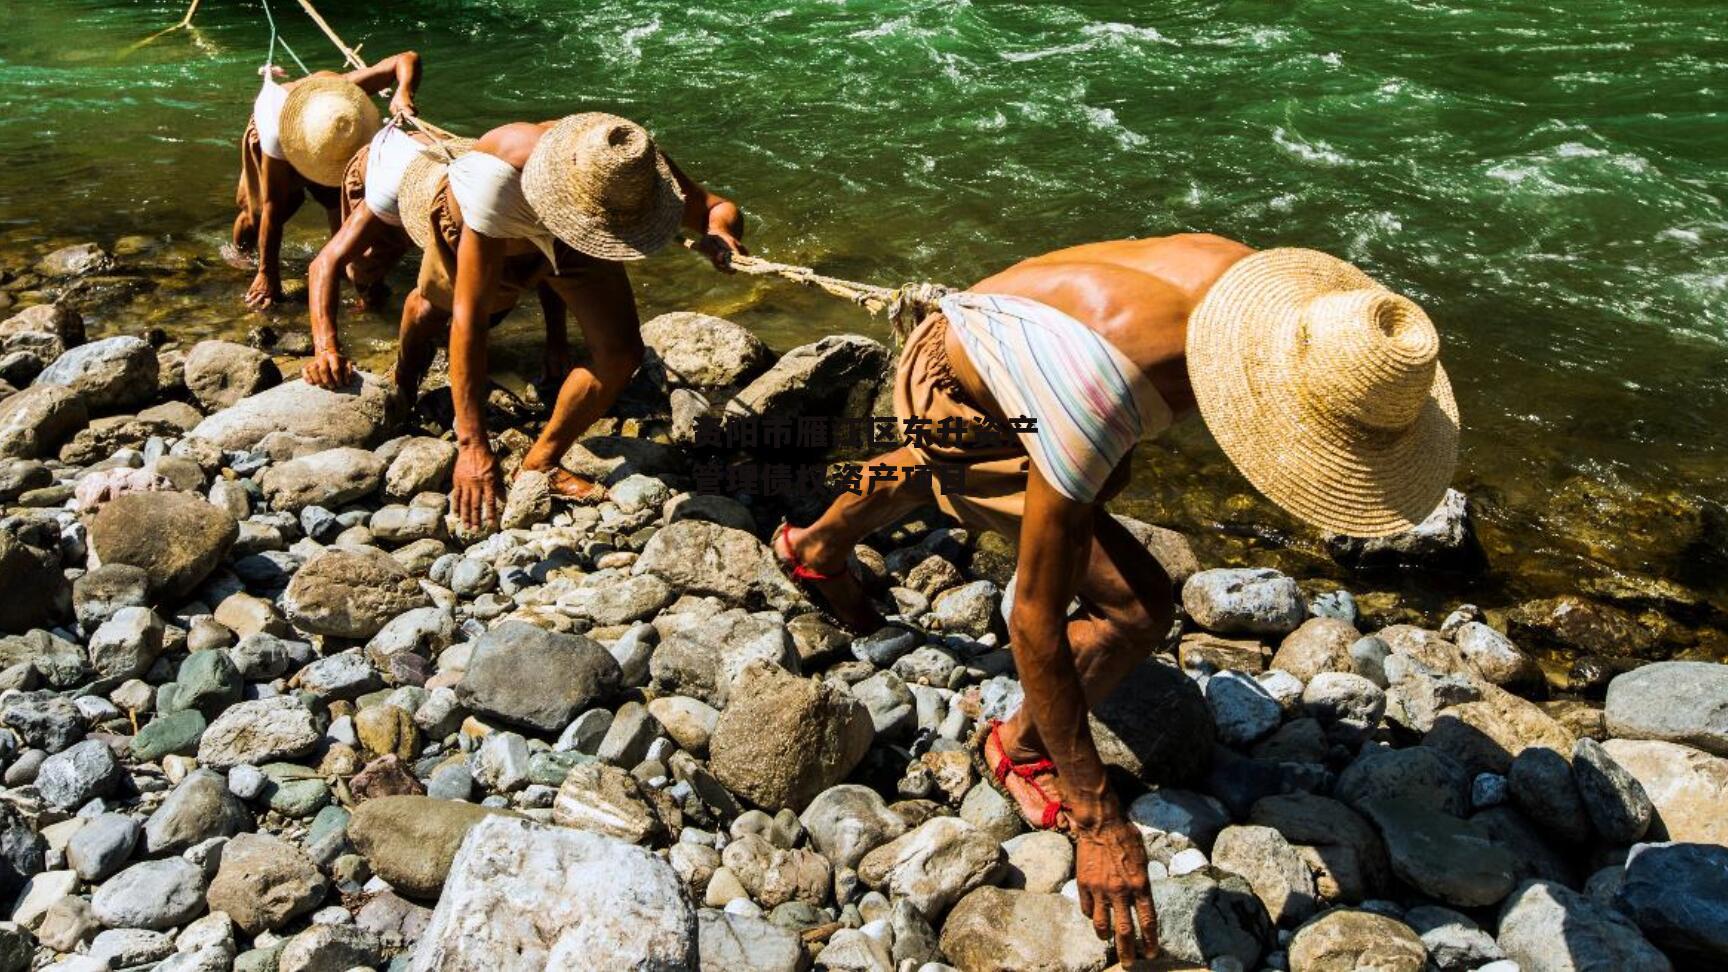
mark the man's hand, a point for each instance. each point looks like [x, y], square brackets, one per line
[1110, 867]
[718, 246]
[328, 369]
[402, 103]
[264, 292]
[477, 489]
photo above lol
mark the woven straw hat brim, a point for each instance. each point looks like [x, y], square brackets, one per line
[419, 186]
[1244, 346]
[564, 201]
[324, 122]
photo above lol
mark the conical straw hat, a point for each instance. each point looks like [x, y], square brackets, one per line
[600, 185]
[1326, 391]
[325, 120]
[420, 184]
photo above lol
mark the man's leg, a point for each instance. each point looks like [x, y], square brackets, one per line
[422, 330]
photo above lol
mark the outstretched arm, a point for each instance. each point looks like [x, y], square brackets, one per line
[401, 70]
[329, 368]
[1110, 858]
[476, 491]
[283, 192]
[718, 219]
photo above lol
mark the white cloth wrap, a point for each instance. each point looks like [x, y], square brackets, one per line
[489, 190]
[387, 160]
[267, 117]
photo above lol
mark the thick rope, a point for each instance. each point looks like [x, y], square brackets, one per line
[270, 58]
[905, 306]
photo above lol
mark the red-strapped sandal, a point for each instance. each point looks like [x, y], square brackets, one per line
[1052, 816]
[858, 619]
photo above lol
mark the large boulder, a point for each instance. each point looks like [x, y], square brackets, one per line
[307, 418]
[410, 841]
[56, 319]
[1155, 726]
[1338, 845]
[699, 557]
[177, 538]
[1442, 856]
[1319, 645]
[1689, 788]
[350, 592]
[1444, 540]
[35, 421]
[784, 739]
[1547, 927]
[555, 898]
[1486, 735]
[112, 374]
[1274, 869]
[693, 350]
[1675, 701]
[1677, 894]
[995, 930]
[934, 864]
[835, 376]
[1244, 600]
[220, 373]
[541, 679]
[332, 478]
[1345, 940]
[704, 659]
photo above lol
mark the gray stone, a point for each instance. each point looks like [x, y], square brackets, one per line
[60, 662]
[1319, 645]
[1345, 940]
[257, 732]
[43, 719]
[350, 592]
[1542, 785]
[1675, 701]
[1444, 540]
[785, 739]
[1417, 773]
[846, 822]
[330, 948]
[77, 775]
[1546, 927]
[127, 644]
[36, 420]
[176, 538]
[419, 465]
[1348, 705]
[704, 659]
[993, 930]
[709, 559]
[1677, 894]
[1339, 846]
[1241, 707]
[1453, 941]
[152, 894]
[303, 414]
[331, 478]
[220, 373]
[1445, 858]
[198, 809]
[701, 351]
[103, 844]
[76, 260]
[775, 875]
[1210, 914]
[121, 948]
[607, 800]
[533, 677]
[1496, 658]
[98, 594]
[610, 600]
[836, 375]
[1155, 726]
[346, 675]
[934, 864]
[1272, 867]
[1239, 600]
[741, 943]
[1618, 807]
[111, 374]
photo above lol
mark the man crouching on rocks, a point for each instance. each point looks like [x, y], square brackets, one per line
[1323, 388]
[555, 207]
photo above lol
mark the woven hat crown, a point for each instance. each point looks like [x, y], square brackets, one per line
[601, 185]
[616, 158]
[325, 120]
[1368, 358]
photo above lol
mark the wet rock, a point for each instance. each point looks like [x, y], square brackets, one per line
[34, 586]
[418, 465]
[1443, 857]
[1200, 651]
[303, 415]
[1546, 927]
[994, 930]
[846, 822]
[77, 775]
[332, 478]
[35, 421]
[62, 322]
[604, 799]
[594, 896]
[1346, 939]
[111, 374]
[1618, 807]
[1688, 787]
[700, 351]
[152, 894]
[836, 376]
[1319, 645]
[1677, 894]
[77, 260]
[1244, 601]
[220, 373]
[257, 732]
[265, 882]
[784, 739]
[1444, 540]
[350, 592]
[934, 864]
[1210, 914]
[176, 538]
[1542, 786]
[1155, 726]
[537, 678]
[775, 875]
[1676, 701]
[1578, 626]
[198, 809]
[411, 840]
[709, 559]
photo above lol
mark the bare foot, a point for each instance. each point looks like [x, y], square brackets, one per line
[837, 593]
[567, 485]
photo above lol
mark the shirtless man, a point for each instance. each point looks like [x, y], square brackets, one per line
[556, 207]
[271, 188]
[1321, 386]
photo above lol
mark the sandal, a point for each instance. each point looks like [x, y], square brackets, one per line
[1053, 816]
[806, 579]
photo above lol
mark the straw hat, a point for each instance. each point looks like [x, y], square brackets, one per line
[325, 120]
[420, 183]
[1326, 390]
[600, 185]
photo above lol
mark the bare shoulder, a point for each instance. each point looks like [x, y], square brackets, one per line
[513, 142]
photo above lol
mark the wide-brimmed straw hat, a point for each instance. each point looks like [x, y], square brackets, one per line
[1326, 390]
[419, 185]
[600, 185]
[325, 120]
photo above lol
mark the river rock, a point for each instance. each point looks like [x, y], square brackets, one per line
[1241, 707]
[258, 732]
[111, 374]
[76, 260]
[611, 600]
[176, 538]
[934, 864]
[35, 588]
[1244, 600]
[744, 943]
[835, 376]
[330, 948]
[533, 677]
[1675, 701]
[1347, 940]
[127, 644]
[1440, 855]
[995, 930]
[846, 822]
[775, 875]
[36, 420]
[1546, 927]
[1346, 704]
[59, 662]
[784, 739]
[220, 373]
[701, 351]
[1210, 914]
[350, 592]
[1444, 540]
[704, 558]
[1542, 786]
[1578, 626]
[1619, 808]
[411, 840]
[1419, 773]
[689, 722]
[1496, 658]
[1688, 787]
[1338, 845]
[418, 465]
[57, 319]
[101, 592]
[1155, 726]
[307, 415]
[332, 478]
[1485, 736]
[604, 799]
[265, 882]
[152, 894]
[1454, 942]
[1319, 645]
[557, 898]
[195, 811]
[101, 846]
[1272, 867]
[77, 775]
[1677, 894]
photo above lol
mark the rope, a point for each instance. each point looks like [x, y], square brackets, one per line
[270, 58]
[352, 56]
[905, 306]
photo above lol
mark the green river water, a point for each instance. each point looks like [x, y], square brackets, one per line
[1547, 178]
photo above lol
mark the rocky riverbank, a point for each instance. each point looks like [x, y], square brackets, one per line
[266, 706]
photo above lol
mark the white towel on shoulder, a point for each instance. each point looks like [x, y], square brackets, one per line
[267, 116]
[489, 190]
[386, 162]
